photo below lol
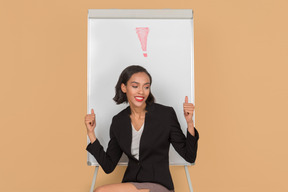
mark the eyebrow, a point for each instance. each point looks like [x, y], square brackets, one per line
[139, 83]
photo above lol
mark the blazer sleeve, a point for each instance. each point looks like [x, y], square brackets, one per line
[109, 159]
[185, 146]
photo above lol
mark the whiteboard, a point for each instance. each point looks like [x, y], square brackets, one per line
[162, 41]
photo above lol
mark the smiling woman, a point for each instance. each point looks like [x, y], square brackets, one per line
[137, 89]
[125, 76]
[137, 92]
[144, 132]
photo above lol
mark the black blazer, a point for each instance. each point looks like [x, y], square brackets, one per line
[160, 129]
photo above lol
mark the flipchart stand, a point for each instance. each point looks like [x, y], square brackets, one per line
[185, 167]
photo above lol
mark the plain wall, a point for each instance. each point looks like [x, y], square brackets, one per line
[241, 66]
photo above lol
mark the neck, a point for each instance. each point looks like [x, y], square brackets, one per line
[138, 111]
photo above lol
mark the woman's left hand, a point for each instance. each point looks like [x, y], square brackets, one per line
[188, 111]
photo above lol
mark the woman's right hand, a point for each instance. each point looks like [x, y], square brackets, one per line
[90, 122]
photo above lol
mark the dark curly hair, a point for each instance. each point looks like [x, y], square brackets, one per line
[126, 74]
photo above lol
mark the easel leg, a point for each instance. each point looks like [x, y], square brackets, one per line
[188, 178]
[94, 178]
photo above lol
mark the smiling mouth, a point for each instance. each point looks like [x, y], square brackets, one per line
[137, 98]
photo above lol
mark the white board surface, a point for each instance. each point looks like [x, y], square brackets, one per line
[114, 44]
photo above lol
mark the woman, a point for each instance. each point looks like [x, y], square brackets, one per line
[143, 131]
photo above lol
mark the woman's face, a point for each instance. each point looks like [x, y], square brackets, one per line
[137, 89]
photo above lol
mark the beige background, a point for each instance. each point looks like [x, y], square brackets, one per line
[241, 95]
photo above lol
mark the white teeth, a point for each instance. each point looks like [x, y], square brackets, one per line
[139, 98]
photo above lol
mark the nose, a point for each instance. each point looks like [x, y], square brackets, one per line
[141, 90]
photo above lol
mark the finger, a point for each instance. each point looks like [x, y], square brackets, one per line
[90, 116]
[189, 111]
[186, 99]
[187, 104]
[190, 108]
[92, 111]
[89, 119]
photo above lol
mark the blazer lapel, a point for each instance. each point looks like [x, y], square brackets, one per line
[144, 137]
[128, 131]
[127, 134]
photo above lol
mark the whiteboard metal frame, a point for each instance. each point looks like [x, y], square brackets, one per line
[140, 13]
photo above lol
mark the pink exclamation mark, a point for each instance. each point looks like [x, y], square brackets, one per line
[142, 35]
